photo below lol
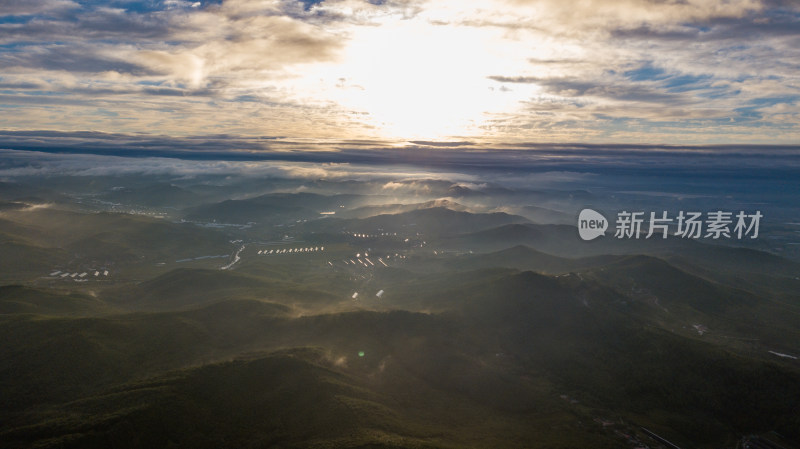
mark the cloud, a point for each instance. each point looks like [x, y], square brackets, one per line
[77, 59]
[632, 13]
[530, 170]
[432, 71]
[13, 7]
[408, 159]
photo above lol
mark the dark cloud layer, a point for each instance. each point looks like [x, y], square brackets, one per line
[720, 160]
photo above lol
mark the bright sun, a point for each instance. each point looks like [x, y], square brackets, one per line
[417, 80]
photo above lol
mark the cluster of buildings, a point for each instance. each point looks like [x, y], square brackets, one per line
[79, 276]
[312, 249]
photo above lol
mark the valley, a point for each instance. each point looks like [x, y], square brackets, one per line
[357, 320]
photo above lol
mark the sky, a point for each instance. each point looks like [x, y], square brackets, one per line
[491, 72]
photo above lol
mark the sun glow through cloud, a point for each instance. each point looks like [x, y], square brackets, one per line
[418, 80]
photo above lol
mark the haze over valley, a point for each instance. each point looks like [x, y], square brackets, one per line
[179, 303]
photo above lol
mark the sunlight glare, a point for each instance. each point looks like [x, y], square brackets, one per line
[422, 81]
